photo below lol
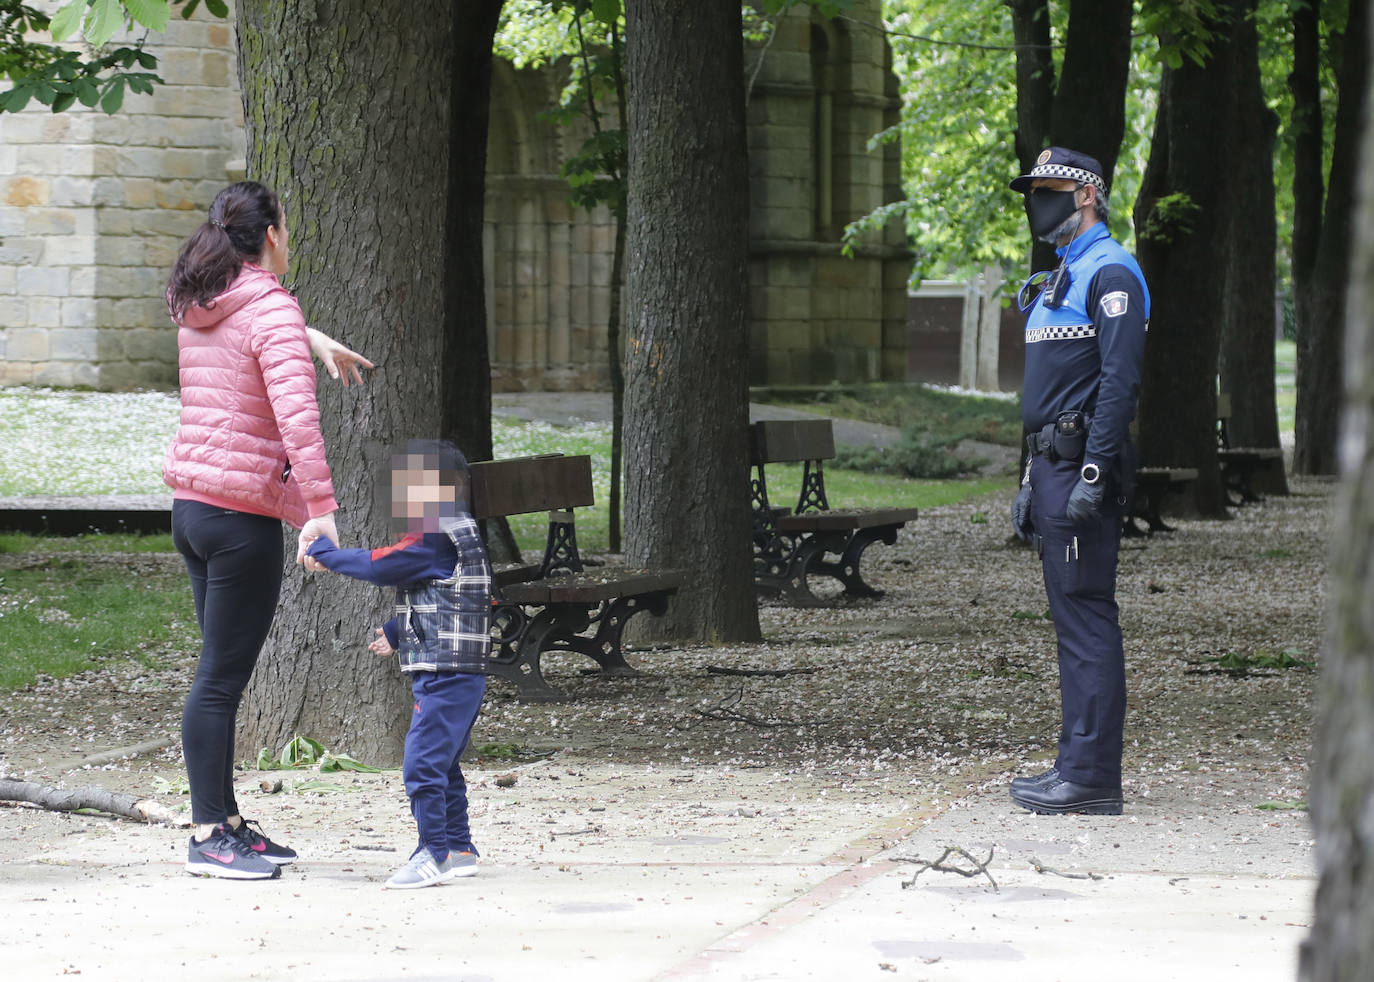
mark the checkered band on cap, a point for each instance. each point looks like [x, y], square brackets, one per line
[1064, 171]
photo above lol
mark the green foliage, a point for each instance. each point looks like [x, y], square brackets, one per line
[916, 454]
[955, 63]
[1172, 217]
[1282, 806]
[302, 751]
[1186, 28]
[1239, 663]
[59, 77]
[938, 412]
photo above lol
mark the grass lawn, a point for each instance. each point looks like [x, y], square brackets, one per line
[1286, 390]
[62, 611]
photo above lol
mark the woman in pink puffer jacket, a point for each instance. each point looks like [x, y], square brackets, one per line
[247, 456]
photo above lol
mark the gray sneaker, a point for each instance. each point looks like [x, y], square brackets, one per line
[462, 863]
[423, 870]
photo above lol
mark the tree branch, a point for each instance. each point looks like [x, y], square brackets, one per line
[101, 799]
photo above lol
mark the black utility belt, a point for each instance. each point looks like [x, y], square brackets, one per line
[1064, 439]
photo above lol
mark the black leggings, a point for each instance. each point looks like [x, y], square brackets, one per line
[235, 562]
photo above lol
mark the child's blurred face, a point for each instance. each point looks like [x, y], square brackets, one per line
[419, 496]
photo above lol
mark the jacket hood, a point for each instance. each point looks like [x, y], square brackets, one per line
[252, 282]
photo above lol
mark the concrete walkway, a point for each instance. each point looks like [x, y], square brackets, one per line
[1147, 896]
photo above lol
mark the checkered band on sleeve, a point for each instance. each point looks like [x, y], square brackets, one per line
[1060, 332]
[1069, 173]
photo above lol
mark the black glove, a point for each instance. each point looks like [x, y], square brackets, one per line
[1085, 503]
[1021, 513]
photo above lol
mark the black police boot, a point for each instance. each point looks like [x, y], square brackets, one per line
[1063, 797]
[1037, 781]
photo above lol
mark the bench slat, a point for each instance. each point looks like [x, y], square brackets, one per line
[528, 484]
[791, 440]
[594, 585]
[833, 521]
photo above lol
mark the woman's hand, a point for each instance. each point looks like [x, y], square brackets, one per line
[316, 527]
[339, 361]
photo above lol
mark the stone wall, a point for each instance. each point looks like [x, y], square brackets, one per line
[822, 90]
[93, 208]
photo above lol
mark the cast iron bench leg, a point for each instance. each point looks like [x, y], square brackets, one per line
[847, 569]
[519, 661]
[780, 570]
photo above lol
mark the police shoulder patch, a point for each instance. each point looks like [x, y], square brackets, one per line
[1115, 303]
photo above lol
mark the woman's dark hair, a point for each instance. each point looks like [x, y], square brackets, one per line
[215, 253]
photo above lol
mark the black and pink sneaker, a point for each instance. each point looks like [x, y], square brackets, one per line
[250, 833]
[226, 855]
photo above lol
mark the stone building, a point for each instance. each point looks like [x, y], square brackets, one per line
[93, 208]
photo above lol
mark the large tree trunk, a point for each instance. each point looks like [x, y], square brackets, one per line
[1319, 337]
[1030, 27]
[1089, 112]
[466, 412]
[1247, 332]
[1085, 109]
[346, 108]
[686, 451]
[1340, 947]
[1180, 220]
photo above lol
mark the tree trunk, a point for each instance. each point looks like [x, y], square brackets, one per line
[1085, 109]
[1089, 111]
[1246, 365]
[466, 361]
[686, 394]
[346, 107]
[1180, 222]
[1340, 946]
[1030, 26]
[1319, 338]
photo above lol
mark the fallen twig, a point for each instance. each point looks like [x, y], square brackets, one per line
[100, 799]
[720, 711]
[775, 673]
[1040, 867]
[979, 868]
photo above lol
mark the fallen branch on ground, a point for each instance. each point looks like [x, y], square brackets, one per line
[1040, 867]
[939, 865]
[775, 673]
[720, 711]
[100, 799]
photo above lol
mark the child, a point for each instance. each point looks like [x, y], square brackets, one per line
[442, 633]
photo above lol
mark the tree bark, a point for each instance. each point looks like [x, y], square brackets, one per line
[1085, 108]
[101, 799]
[1246, 364]
[346, 108]
[466, 358]
[1180, 222]
[686, 451]
[1340, 946]
[1035, 89]
[1319, 337]
[1089, 110]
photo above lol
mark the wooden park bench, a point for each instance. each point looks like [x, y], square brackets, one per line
[1239, 465]
[558, 604]
[1152, 486]
[791, 545]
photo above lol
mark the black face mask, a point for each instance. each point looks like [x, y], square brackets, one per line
[1048, 209]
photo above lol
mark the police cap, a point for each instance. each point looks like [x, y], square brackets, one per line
[1064, 164]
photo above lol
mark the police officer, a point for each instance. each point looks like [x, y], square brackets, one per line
[1085, 340]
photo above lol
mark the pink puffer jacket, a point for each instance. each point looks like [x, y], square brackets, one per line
[250, 436]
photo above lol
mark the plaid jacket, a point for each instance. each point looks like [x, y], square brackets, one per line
[443, 594]
[445, 625]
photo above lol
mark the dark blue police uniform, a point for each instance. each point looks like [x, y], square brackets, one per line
[1085, 356]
